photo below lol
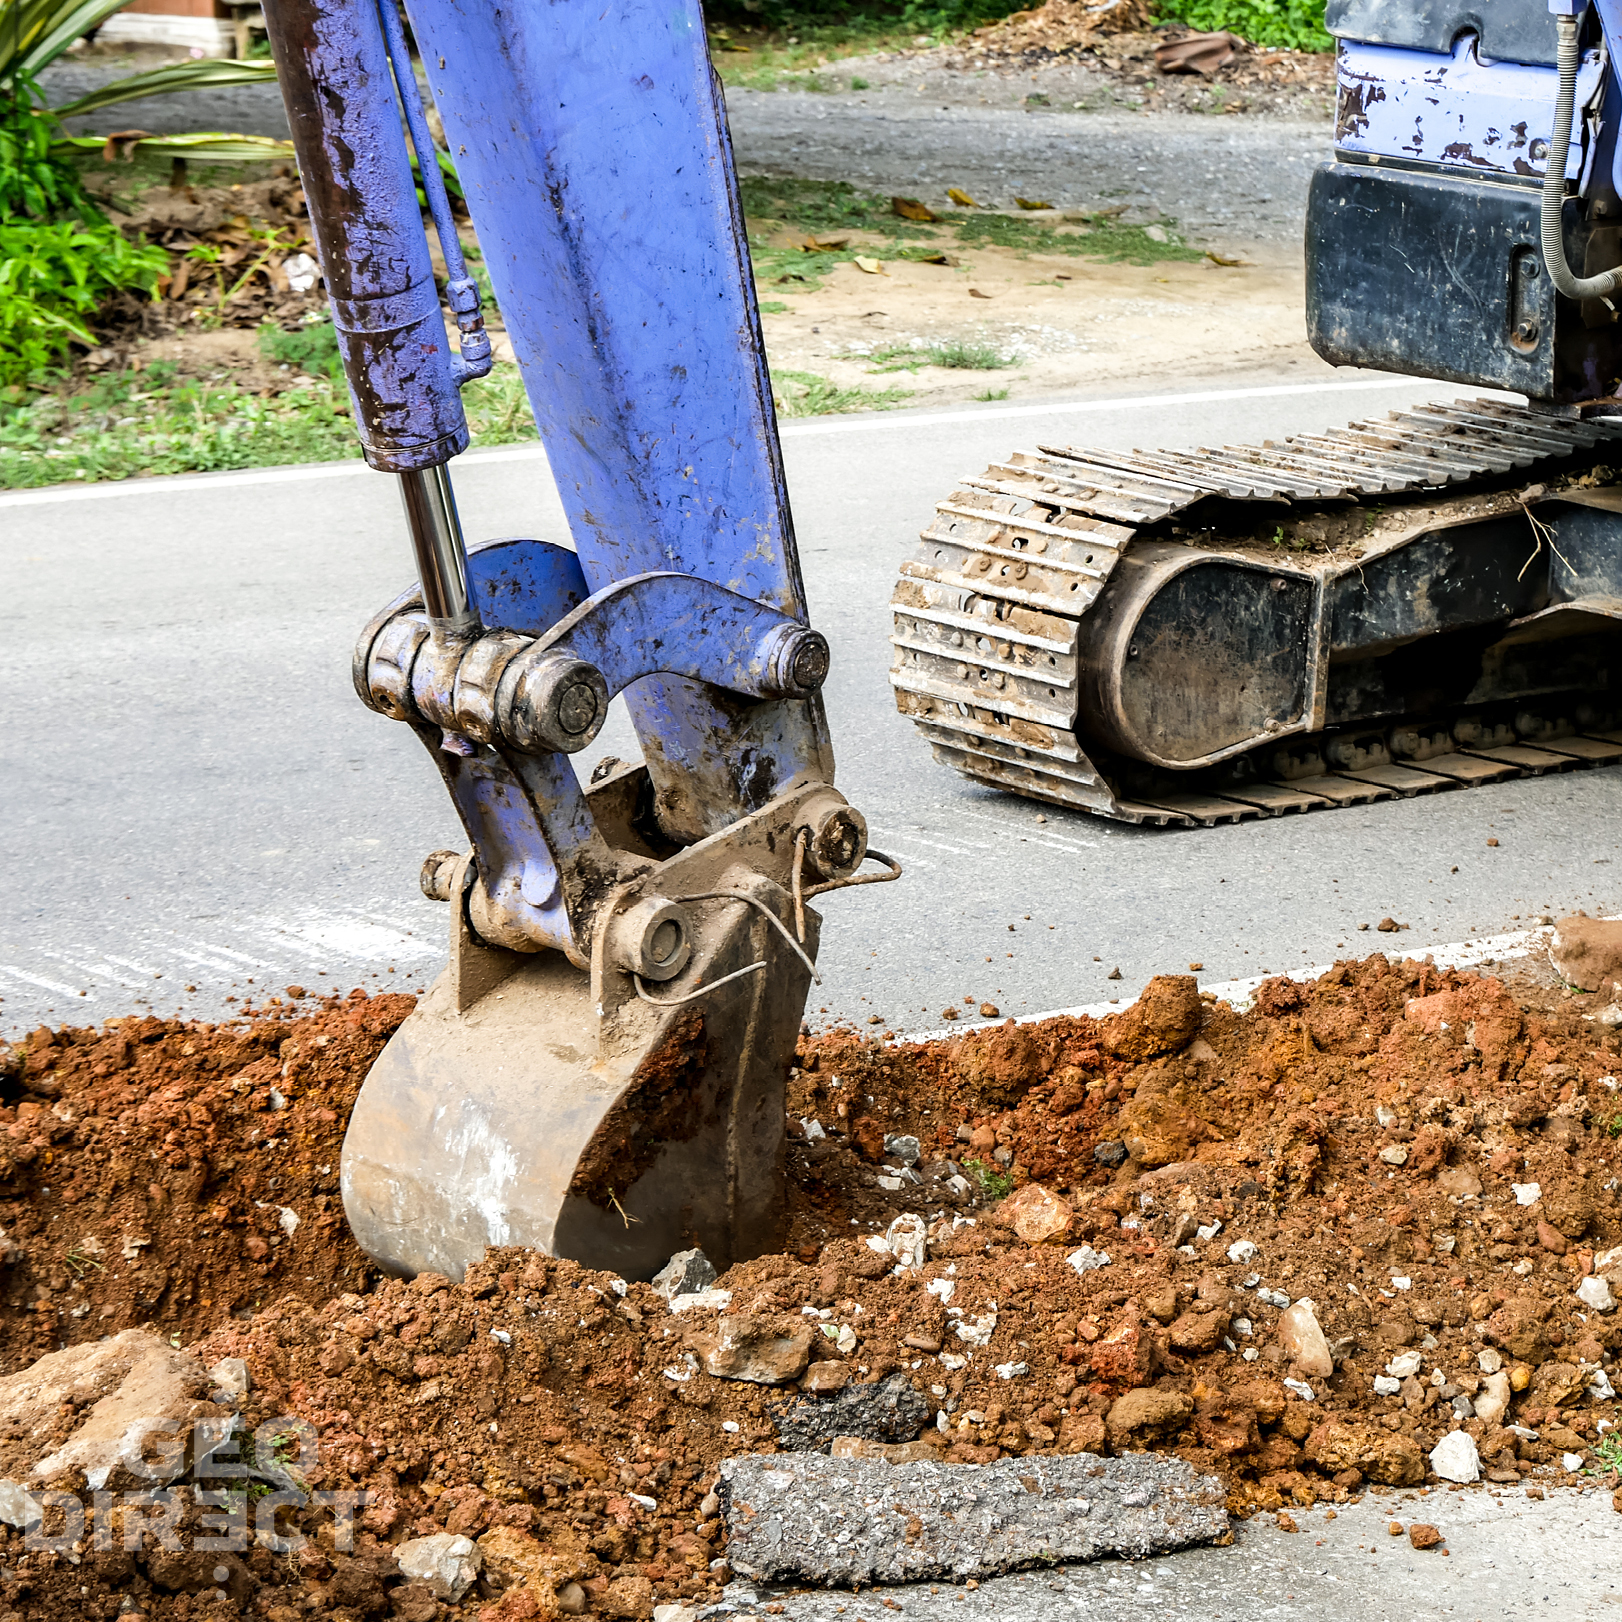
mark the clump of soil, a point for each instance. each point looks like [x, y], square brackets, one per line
[1364, 1142]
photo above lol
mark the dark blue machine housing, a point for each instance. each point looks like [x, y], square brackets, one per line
[1423, 248]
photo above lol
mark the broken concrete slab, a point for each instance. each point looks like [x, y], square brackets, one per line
[143, 1398]
[843, 1521]
[889, 1410]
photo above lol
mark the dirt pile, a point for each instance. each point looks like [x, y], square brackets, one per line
[1297, 1246]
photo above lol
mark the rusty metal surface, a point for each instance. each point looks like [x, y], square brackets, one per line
[989, 661]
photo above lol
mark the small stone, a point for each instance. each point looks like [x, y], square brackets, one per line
[1242, 1251]
[702, 1300]
[1587, 952]
[1404, 1364]
[1459, 1180]
[1527, 1193]
[903, 1147]
[1381, 1455]
[1388, 926]
[907, 1239]
[823, 1379]
[1490, 1360]
[761, 1351]
[1036, 1214]
[1454, 1458]
[1286, 1522]
[1086, 1260]
[688, 1272]
[230, 1376]
[1395, 1154]
[1110, 1154]
[1551, 1239]
[1423, 1536]
[447, 1562]
[295, 991]
[989, 1010]
[1595, 1293]
[1492, 1400]
[1385, 1386]
[1302, 1340]
[1147, 1412]
[1520, 1377]
[1394, 1528]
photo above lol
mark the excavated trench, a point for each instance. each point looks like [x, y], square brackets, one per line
[1427, 1158]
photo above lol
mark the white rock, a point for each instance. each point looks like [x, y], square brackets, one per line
[1274, 1298]
[1492, 1400]
[1607, 1259]
[891, 1185]
[1401, 1283]
[1302, 1340]
[902, 1147]
[1595, 1293]
[1250, 1354]
[1527, 1193]
[1454, 1458]
[1599, 1386]
[1385, 1386]
[1209, 1231]
[688, 1272]
[1011, 1371]
[1395, 1154]
[719, 1300]
[448, 1563]
[674, 1613]
[1242, 1251]
[301, 272]
[943, 1287]
[18, 1507]
[1572, 1461]
[1490, 1361]
[976, 1331]
[1301, 1389]
[907, 1239]
[1086, 1259]
[814, 1133]
[1404, 1364]
[231, 1376]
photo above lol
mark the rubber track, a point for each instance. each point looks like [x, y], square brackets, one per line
[987, 611]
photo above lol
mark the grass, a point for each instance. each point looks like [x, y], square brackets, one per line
[995, 1184]
[1605, 1455]
[789, 58]
[805, 394]
[955, 356]
[992, 394]
[140, 424]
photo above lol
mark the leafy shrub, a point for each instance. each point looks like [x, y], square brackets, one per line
[52, 277]
[1296, 25]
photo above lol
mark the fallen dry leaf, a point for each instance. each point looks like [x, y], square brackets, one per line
[1031, 203]
[1197, 53]
[1222, 259]
[974, 292]
[909, 208]
[823, 244]
[871, 266]
[961, 198]
[937, 259]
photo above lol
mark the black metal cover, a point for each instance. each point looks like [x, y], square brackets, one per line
[1424, 274]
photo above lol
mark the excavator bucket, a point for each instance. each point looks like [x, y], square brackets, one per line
[600, 1070]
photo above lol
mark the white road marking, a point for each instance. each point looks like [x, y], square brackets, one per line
[1457, 955]
[38, 980]
[864, 423]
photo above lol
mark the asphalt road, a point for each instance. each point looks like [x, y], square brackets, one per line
[1235, 180]
[195, 796]
[1509, 1559]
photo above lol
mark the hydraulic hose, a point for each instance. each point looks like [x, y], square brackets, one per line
[1554, 178]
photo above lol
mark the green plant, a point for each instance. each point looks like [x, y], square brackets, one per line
[858, 84]
[52, 277]
[805, 394]
[1613, 1127]
[1605, 1455]
[1296, 25]
[994, 1184]
[992, 394]
[311, 348]
[773, 306]
[955, 355]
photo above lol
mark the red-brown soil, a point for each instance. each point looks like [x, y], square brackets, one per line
[533, 1399]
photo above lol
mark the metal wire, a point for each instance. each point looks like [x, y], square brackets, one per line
[737, 974]
[801, 840]
[693, 996]
[864, 878]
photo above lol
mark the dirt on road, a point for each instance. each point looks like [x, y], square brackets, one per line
[1184, 1227]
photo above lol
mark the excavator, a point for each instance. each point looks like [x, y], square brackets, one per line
[1391, 609]
[1395, 608]
[600, 1071]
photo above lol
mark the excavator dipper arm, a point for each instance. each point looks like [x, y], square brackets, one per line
[600, 1069]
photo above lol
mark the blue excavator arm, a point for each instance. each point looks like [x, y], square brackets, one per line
[600, 1069]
